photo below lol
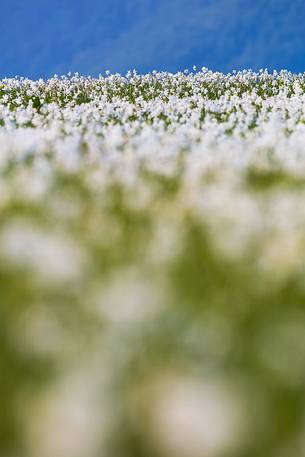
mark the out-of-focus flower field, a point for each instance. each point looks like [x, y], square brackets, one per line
[152, 280]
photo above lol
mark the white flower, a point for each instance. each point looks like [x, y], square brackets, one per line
[52, 256]
[189, 417]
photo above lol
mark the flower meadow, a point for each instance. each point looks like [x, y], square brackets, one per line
[152, 280]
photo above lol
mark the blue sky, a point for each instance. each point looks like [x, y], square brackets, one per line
[43, 37]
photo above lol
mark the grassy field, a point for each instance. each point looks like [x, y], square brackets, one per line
[152, 281]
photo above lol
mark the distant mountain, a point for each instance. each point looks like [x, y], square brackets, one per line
[43, 37]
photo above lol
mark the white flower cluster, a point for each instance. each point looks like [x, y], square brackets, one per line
[152, 246]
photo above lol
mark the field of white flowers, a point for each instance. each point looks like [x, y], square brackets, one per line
[152, 265]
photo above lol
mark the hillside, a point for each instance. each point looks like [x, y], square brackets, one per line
[152, 241]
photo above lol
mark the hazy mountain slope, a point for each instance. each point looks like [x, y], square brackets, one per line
[40, 37]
